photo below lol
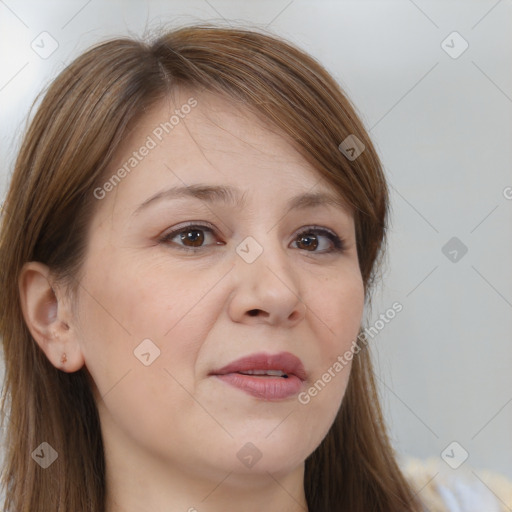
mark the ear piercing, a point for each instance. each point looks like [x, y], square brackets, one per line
[63, 358]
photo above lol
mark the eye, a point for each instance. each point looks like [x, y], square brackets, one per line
[192, 236]
[310, 239]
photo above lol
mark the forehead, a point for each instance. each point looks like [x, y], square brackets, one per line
[190, 139]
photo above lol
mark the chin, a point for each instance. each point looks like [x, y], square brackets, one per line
[258, 454]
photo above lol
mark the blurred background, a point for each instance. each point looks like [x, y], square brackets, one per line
[432, 82]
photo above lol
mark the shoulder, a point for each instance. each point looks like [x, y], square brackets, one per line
[443, 489]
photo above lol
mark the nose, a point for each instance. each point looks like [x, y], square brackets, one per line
[267, 290]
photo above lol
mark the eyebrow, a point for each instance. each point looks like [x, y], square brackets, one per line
[232, 196]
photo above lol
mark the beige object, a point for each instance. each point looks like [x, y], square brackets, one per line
[465, 489]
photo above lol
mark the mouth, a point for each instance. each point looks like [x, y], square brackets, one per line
[265, 376]
[266, 373]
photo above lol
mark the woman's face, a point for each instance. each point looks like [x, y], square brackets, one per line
[165, 309]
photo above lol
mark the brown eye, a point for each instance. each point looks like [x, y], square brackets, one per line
[307, 242]
[192, 237]
[313, 238]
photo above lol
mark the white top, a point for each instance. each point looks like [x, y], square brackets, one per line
[464, 489]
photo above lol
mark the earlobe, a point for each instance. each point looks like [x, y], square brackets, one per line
[48, 319]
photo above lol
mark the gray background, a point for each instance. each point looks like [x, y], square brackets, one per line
[441, 123]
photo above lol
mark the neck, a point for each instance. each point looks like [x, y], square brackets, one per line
[176, 491]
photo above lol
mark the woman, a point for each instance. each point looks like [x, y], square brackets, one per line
[190, 236]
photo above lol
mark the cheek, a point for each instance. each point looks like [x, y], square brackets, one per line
[337, 309]
[146, 302]
[120, 312]
[350, 311]
[336, 314]
[128, 305]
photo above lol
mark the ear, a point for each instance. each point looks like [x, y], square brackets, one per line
[48, 317]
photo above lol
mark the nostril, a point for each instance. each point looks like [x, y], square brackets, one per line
[253, 312]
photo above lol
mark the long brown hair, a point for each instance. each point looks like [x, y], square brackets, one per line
[79, 124]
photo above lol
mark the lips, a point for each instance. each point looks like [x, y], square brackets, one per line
[266, 376]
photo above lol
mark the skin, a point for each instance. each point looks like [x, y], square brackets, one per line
[171, 431]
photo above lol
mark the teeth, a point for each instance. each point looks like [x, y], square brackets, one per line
[273, 373]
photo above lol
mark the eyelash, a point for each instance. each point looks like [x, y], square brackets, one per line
[338, 243]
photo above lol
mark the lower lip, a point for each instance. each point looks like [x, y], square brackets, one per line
[266, 388]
